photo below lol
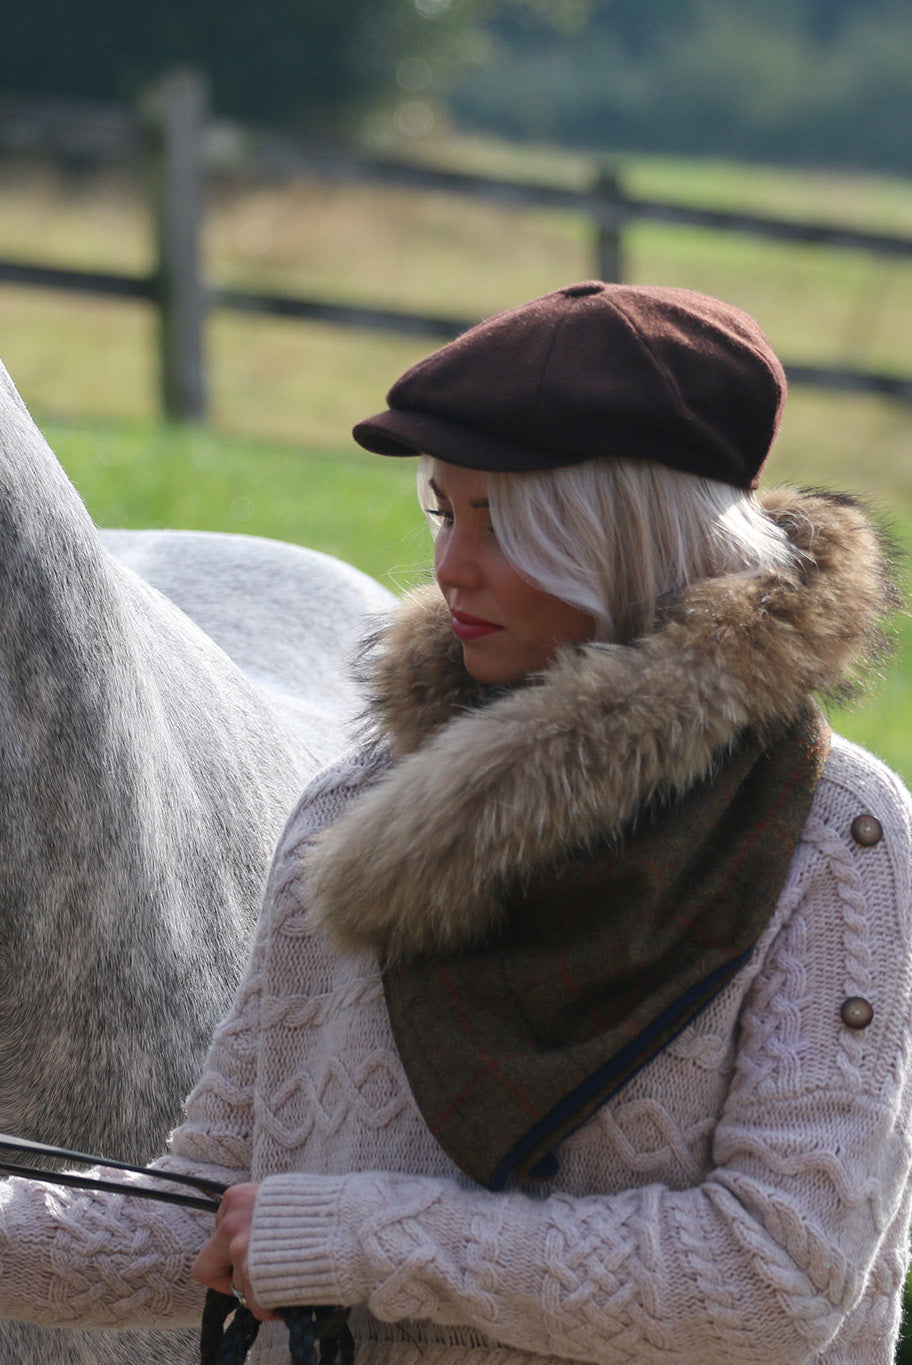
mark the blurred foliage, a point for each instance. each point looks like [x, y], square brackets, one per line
[790, 81]
[306, 64]
[825, 82]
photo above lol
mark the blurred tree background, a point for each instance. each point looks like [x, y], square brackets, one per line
[807, 82]
[788, 81]
[306, 65]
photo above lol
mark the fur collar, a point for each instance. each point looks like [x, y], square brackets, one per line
[487, 791]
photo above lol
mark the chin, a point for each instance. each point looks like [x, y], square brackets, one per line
[490, 674]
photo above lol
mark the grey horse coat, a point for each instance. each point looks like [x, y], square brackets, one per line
[151, 745]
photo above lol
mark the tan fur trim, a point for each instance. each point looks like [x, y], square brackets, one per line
[416, 681]
[418, 864]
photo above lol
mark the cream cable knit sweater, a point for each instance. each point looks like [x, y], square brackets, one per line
[746, 1198]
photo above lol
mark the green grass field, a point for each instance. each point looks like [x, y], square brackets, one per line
[277, 459]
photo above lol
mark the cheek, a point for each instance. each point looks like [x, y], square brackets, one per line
[565, 624]
[550, 621]
[438, 557]
[571, 626]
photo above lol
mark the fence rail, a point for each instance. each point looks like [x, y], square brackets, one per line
[182, 145]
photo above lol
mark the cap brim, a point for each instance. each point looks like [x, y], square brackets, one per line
[397, 432]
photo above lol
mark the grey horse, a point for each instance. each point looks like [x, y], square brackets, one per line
[163, 698]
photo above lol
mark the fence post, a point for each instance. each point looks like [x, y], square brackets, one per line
[176, 111]
[609, 256]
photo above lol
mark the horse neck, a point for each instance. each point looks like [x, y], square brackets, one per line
[91, 810]
[58, 601]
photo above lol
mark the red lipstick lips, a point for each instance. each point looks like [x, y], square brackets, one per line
[466, 627]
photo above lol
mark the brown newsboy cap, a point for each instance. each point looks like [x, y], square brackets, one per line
[589, 370]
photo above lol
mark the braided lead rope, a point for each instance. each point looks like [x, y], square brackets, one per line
[220, 1345]
[332, 1332]
[216, 1312]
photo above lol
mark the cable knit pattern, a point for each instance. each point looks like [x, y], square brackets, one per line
[743, 1203]
[71, 1259]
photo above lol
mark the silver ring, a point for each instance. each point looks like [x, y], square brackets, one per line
[238, 1294]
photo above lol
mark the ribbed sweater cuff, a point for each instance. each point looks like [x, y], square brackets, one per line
[294, 1255]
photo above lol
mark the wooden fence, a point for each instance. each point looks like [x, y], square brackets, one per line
[173, 131]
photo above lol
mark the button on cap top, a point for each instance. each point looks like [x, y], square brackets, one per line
[579, 291]
[867, 830]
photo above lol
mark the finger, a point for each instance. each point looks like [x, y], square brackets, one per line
[263, 1314]
[214, 1264]
[243, 1292]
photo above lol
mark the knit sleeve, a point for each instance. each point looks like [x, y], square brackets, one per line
[219, 1122]
[73, 1258]
[217, 1128]
[766, 1259]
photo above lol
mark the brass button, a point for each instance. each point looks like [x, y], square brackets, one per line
[856, 1012]
[867, 830]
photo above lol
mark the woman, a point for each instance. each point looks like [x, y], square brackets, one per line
[577, 1025]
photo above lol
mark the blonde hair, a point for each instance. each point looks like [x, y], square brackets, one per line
[614, 536]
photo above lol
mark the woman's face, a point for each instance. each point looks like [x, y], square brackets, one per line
[507, 627]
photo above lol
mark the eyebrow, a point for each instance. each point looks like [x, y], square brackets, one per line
[481, 502]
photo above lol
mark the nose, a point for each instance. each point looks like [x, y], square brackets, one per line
[456, 559]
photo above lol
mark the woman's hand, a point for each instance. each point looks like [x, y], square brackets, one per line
[222, 1263]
